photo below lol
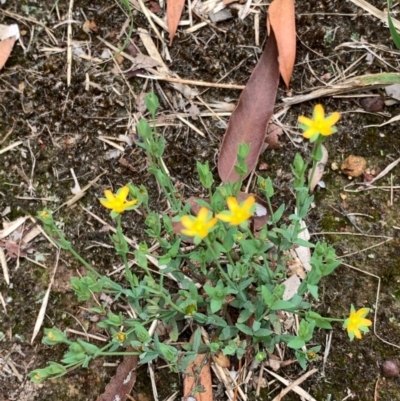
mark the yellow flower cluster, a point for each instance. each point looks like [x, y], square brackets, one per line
[202, 224]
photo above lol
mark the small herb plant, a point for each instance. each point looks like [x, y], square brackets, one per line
[231, 278]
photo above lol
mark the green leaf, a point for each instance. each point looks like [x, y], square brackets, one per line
[244, 328]
[216, 320]
[152, 103]
[228, 332]
[296, 343]
[215, 305]
[196, 340]
[393, 32]
[282, 305]
[313, 289]
[143, 129]
[278, 214]
[262, 333]
[302, 242]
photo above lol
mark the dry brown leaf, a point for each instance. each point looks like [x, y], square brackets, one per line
[6, 46]
[282, 21]
[174, 12]
[204, 379]
[123, 381]
[248, 122]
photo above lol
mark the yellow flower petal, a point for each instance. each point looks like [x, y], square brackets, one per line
[319, 113]
[186, 221]
[310, 133]
[333, 118]
[305, 121]
[109, 195]
[123, 193]
[232, 204]
[248, 203]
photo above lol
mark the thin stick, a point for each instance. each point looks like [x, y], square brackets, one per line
[69, 43]
[190, 82]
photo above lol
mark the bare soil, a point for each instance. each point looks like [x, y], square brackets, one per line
[60, 128]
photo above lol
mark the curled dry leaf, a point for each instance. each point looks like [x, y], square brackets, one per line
[248, 122]
[281, 19]
[319, 171]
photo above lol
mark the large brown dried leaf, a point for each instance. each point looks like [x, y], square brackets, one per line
[282, 20]
[174, 12]
[123, 381]
[248, 122]
[204, 379]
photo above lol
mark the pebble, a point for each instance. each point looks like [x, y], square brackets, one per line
[390, 368]
[372, 104]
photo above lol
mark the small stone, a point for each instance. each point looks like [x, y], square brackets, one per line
[390, 369]
[372, 104]
[353, 166]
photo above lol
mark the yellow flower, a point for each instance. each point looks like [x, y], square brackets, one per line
[198, 226]
[356, 322]
[117, 202]
[319, 124]
[120, 337]
[237, 214]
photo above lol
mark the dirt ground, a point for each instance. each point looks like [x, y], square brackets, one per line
[63, 131]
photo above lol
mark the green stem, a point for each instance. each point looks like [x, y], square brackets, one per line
[119, 228]
[216, 257]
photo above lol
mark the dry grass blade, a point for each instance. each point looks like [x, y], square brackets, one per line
[302, 393]
[10, 227]
[375, 12]
[174, 12]
[282, 21]
[4, 266]
[43, 308]
[363, 82]
[294, 384]
[249, 120]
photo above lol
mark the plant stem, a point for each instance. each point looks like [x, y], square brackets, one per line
[221, 270]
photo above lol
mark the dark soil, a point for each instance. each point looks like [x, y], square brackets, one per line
[60, 128]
